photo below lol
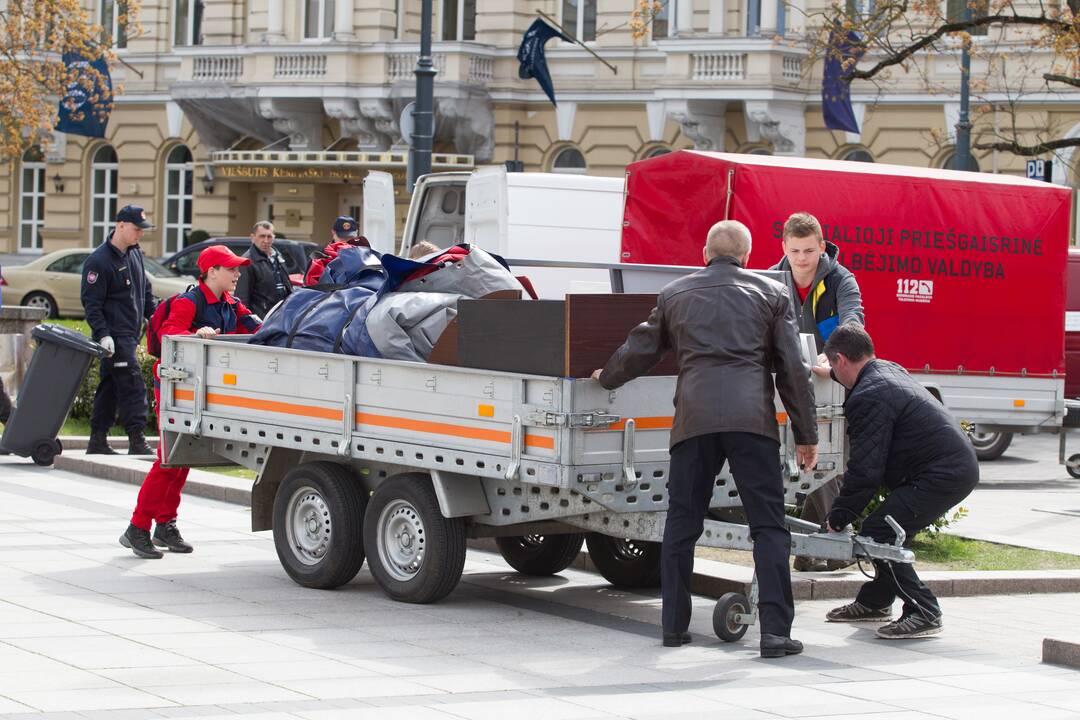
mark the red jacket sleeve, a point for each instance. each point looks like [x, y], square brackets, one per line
[245, 320]
[181, 316]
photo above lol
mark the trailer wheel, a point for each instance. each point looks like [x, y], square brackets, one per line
[990, 446]
[1072, 466]
[318, 520]
[45, 451]
[724, 623]
[415, 554]
[625, 563]
[540, 554]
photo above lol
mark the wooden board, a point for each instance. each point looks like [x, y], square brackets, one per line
[598, 325]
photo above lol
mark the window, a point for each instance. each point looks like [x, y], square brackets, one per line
[32, 199]
[178, 178]
[579, 17]
[949, 162]
[657, 152]
[954, 11]
[187, 24]
[858, 155]
[661, 26]
[113, 21]
[318, 18]
[569, 160]
[459, 20]
[753, 17]
[103, 171]
[68, 264]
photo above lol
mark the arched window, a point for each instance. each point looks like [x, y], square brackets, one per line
[178, 181]
[569, 160]
[858, 155]
[949, 162]
[31, 200]
[103, 170]
[657, 152]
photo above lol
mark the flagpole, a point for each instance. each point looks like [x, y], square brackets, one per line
[588, 49]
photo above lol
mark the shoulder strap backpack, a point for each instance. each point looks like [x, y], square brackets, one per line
[157, 320]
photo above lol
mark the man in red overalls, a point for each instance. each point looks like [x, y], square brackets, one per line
[205, 311]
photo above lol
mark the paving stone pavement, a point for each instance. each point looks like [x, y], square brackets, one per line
[89, 631]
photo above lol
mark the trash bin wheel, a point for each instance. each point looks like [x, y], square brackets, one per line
[1072, 466]
[45, 451]
[726, 627]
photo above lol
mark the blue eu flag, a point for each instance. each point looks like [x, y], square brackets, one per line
[86, 107]
[835, 85]
[531, 55]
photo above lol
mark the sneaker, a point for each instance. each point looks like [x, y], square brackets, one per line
[857, 612]
[138, 541]
[167, 535]
[910, 627]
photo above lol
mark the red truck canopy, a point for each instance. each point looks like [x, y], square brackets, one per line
[958, 271]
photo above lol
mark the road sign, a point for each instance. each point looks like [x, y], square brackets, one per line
[407, 124]
[1040, 170]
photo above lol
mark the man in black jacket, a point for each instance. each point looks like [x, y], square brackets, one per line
[730, 330]
[903, 439]
[116, 295]
[264, 282]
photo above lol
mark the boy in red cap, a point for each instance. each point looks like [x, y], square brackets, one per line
[205, 311]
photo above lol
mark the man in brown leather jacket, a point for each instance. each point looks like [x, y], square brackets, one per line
[730, 330]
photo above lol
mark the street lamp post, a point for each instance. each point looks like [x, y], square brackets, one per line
[424, 115]
[964, 160]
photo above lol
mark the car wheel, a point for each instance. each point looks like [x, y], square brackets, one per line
[44, 301]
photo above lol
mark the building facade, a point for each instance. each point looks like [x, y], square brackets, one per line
[234, 111]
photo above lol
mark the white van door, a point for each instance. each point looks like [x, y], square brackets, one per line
[487, 209]
[379, 226]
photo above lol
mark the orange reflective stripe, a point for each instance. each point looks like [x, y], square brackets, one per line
[387, 421]
[645, 423]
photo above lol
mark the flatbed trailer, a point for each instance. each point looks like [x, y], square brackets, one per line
[400, 462]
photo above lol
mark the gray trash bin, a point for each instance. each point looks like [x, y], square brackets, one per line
[57, 369]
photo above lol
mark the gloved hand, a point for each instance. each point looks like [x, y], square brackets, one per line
[109, 344]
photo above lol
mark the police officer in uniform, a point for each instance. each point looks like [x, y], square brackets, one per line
[117, 298]
[265, 282]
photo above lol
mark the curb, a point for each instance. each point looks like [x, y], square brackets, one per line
[1061, 652]
[711, 578]
[79, 442]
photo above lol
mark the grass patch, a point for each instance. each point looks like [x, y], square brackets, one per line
[237, 471]
[957, 553]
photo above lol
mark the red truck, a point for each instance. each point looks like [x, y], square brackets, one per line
[963, 275]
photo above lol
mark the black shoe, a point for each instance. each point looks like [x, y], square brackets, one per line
[139, 541]
[677, 639]
[137, 444]
[857, 612]
[168, 535]
[774, 646]
[99, 445]
[910, 627]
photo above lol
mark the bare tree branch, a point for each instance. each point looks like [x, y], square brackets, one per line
[1028, 150]
[1051, 77]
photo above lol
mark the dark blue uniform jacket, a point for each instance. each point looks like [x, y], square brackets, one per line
[116, 292]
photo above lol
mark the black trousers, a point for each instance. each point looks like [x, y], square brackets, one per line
[914, 507]
[121, 390]
[755, 464]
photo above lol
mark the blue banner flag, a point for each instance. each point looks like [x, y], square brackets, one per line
[86, 107]
[531, 55]
[844, 50]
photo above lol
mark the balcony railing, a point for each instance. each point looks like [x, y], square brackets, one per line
[792, 68]
[218, 67]
[481, 69]
[402, 66]
[308, 65]
[718, 66]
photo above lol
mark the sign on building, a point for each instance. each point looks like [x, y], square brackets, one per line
[1040, 170]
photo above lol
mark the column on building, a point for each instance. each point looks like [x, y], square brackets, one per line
[275, 21]
[770, 11]
[684, 16]
[716, 17]
[343, 20]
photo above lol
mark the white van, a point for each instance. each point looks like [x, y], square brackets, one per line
[521, 216]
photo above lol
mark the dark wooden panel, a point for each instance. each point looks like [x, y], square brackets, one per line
[526, 336]
[598, 324]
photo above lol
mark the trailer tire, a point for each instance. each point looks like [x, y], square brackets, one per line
[625, 563]
[990, 446]
[540, 554]
[318, 525]
[414, 553]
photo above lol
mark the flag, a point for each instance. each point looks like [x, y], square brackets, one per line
[85, 111]
[835, 82]
[531, 55]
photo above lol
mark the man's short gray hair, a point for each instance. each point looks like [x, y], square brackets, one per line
[728, 238]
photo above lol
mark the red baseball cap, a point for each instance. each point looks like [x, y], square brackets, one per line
[220, 255]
